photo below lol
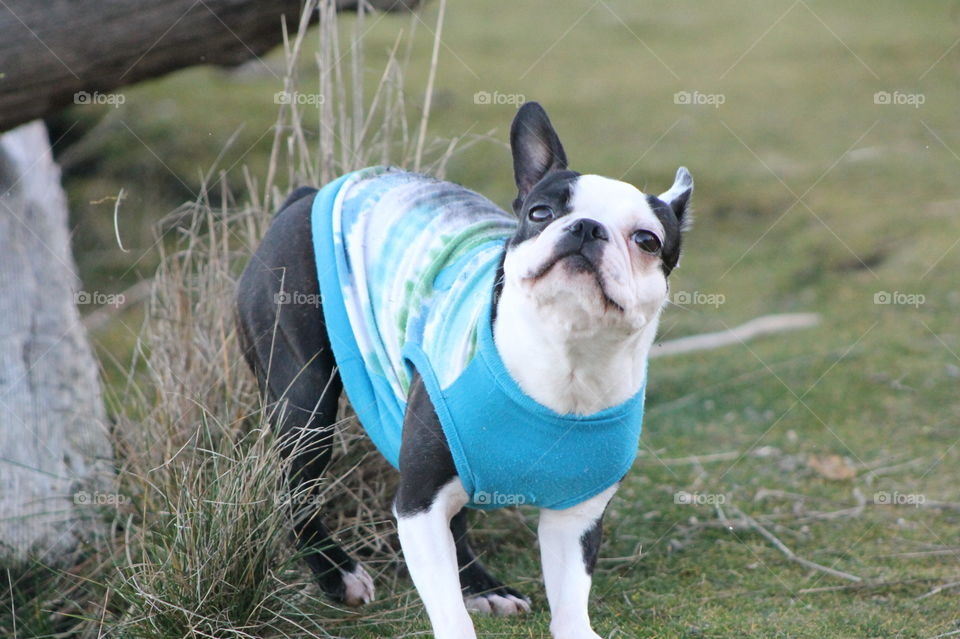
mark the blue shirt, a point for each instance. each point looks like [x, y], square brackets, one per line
[406, 266]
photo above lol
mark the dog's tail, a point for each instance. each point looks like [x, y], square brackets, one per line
[298, 194]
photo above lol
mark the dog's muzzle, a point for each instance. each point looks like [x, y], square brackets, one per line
[583, 241]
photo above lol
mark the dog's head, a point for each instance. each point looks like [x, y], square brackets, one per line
[590, 251]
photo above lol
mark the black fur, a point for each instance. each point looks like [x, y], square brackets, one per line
[590, 544]
[474, 578]
[554, 190]
[287, 348]
[426, 464]
[672, 235]
[297, 194]
[541, 175]
[536, 149]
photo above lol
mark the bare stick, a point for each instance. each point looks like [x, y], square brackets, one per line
[889, 470]
[429, 94]
[698, 459]
[875, 585]
[779, 545]
[764, 325]
[939, 589]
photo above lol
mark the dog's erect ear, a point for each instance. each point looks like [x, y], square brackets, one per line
[678, 197]
[536, 148]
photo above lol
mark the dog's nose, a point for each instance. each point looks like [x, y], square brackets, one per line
[588, 230]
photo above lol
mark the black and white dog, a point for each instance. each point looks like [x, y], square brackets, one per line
[577, 300]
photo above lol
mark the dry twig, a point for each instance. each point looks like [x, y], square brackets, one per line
[764, 325]
[789, 554]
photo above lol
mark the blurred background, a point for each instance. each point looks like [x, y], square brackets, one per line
[824, 142]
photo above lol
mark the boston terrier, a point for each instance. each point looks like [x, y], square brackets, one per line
[494, 359]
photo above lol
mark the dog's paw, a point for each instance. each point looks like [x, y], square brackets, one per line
[561, 631]
[357, 587]
[497, 605]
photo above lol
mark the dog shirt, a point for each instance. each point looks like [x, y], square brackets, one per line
[406, 265]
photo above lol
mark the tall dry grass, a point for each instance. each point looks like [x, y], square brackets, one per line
[203, 540]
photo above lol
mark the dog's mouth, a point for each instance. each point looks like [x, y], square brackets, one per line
[579, 263]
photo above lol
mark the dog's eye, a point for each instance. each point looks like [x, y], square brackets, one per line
[540, 213]
[647, 241]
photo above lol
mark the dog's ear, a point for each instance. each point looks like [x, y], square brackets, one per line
[536, 149]
[678, 197]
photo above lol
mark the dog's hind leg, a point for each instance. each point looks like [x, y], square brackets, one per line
[282, 335]
[307, 445]
[482, 591]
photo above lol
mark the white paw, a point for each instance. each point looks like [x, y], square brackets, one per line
[357, 587]
[497, 605]
[559, 632]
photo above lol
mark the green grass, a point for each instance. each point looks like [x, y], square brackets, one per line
[878, 211]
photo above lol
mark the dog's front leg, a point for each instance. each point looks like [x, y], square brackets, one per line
[432, 561]
[430, 495]
[569, 541]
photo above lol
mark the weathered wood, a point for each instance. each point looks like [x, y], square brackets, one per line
[764, 325]
[54, 446]
[52, 50]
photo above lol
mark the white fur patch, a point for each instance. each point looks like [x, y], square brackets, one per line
[431, 558]
[564, 573]
[358, 587]
[497, 605]
[562, 343]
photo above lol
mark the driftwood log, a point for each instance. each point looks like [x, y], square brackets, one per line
[54, 447]
[55, 453]
[52, 50]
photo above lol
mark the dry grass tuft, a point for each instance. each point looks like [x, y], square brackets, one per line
[205, 538]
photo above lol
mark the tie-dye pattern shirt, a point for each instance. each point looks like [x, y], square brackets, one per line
[406, 265]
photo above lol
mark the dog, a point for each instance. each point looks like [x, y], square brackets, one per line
[494, 359]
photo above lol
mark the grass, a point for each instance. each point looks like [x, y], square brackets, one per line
[809, 197]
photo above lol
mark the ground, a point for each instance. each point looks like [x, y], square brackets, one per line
[824, 142]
